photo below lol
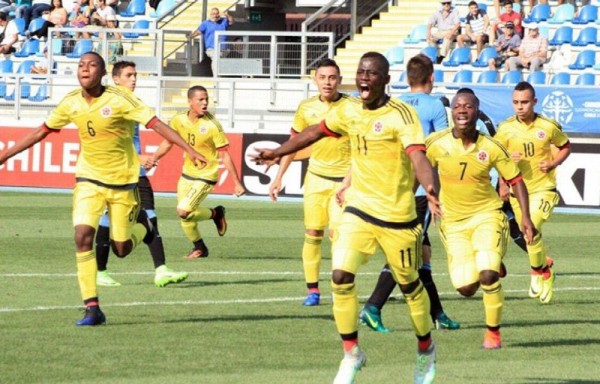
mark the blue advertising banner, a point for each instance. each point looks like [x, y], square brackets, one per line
[576, 109]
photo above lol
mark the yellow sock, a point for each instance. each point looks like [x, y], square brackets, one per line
[493, 301]
[311, 258]
[138, 232]
[536, 252]
[86, 274]
[345, 307]
[419, 306]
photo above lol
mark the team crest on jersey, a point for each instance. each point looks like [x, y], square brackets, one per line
[203, 129]
[106, 112]
[541, 135]
[378, 127]
[482, 156]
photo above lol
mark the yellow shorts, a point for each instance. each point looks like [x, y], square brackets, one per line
[358, 240]
[474, 244]
[320, 207]
[123, 205]
[541, 205]
[191, 193]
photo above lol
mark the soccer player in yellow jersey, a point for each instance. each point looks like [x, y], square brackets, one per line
[474, 230]
[387, 151]
[530, 138]
[203, 132]
[107, 169]
[329, 163]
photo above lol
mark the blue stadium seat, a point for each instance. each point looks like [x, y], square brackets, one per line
[41, 94]
[588, 35]
[462, 76]
[512, 77]
[417, 35]
[401, 83]
[563, 35]
[139, 24]
[585, 59]
[481, 5]
[36, 24]
[561, 78]
[488, 77]
[20, 23]
[29, 48]
[562, 14]
[438, 76]
[586, 79]
[460, 55]
[484, 57]
[24, 68]
[6, 66]
[540, 12]
[56, 48]
[587, 14]
[163, 8]
[135, 7]
[395, 55]
[430, 52]
[83, 46]
[537, 78]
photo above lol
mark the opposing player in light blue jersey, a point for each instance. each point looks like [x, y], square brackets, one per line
[433, 117]
[125, 75]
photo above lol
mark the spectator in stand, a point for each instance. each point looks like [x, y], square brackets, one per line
[533, 51]
[477, 23]
[101, 12]
[37, 9]
[57, 18]
[10, 33]
[508, 15]
[8, 6]
[41, 64]
[207, 29]
[447, 22]
[507, 46]
[237, 49]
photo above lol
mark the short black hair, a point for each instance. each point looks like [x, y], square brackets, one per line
[419, 70]
[525, 86]
[3, 16]
[194, 89]
[472, 3]
[120, 65]
[327, 62]
[385, 64]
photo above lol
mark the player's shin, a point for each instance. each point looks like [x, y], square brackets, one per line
[419, 307]
[86, 274]
[345, 307]
[493, 301]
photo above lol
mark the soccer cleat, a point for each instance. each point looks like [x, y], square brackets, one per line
[350, 365]
[103, 279]
[219, 219]
[197, 253]
[491, 340]
[425, 370]
[502, 272]
[165, 276]
[93, 316]
[312, 299]
[444, 322]
[535, 288]
[549, 261]
[370, 316]
[547, 285]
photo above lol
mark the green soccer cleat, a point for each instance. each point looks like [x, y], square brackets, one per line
[547, 287]
[444, 322]
[371, 317]
[425, 370]
[350, 365]
[165, 276]
[103, 279]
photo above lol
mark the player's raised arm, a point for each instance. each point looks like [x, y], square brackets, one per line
[27, 141]
[302, 140]
[173, 138]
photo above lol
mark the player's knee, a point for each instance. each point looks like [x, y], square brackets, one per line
[468, 290]
[121, 249]
[342, 289]
[84, 237]
[314, 232]
[182, 213]
[339, 277]
[408, 289]
[488, 277]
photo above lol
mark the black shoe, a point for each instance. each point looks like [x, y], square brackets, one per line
[218, 216]
[440, 59]
[93, 316]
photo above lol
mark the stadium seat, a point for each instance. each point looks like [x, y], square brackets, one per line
[537, 78]
[430, 52]
[36, 24]
[563, 35]
[545, 31]
[82, 46]
[483, 6]
[485, 56]
[163, 8]
[586, 79]
[417, 35]
[540, 12]
[24, 68]
[29, 48]
[488, 77]
[587, 14]
[20, 23]
[588, 35]
[462, 76]
[438, 76]
[56, 48]
[401, 83]
[135, 7]
[395, 55]
[562, 14]
[585, 59]
[460, 55]
[561, 78]
[41, 94]
[139, 24]
[6, 66]
[512, 77]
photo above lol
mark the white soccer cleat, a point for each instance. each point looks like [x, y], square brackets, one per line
[425, 370]
[350, 365]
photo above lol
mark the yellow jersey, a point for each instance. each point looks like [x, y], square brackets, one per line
[534, 143]
[465, 173]
[330, 157]
[206, 136]
[382, 175]
[106, 131]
